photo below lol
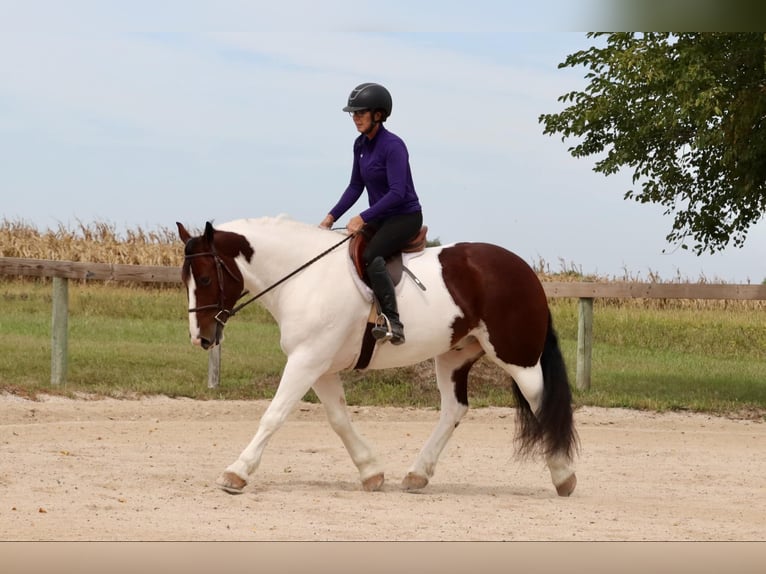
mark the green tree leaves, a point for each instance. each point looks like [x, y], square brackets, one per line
[687, 114]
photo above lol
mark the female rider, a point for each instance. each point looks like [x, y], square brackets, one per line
[394, 216]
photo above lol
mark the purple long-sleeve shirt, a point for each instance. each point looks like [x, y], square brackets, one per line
[381, 165]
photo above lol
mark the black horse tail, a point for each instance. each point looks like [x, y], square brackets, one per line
[550, 430]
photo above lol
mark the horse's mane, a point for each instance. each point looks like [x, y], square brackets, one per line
[280, 223]
[281, 220]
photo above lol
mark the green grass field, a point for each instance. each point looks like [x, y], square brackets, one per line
[127, 341]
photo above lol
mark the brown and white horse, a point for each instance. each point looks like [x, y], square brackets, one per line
[476, 299]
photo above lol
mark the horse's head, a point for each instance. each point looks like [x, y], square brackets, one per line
[213, 280]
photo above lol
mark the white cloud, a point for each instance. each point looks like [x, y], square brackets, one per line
[118, 117]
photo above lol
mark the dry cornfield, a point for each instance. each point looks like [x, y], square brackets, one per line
[100, 242]
[93, 242]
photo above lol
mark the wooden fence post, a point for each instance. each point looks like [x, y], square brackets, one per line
[59, 327]
[584, 342]
[214, 367]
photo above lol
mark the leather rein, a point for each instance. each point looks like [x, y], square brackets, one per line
[224, 314]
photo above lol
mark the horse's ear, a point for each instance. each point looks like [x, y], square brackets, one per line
[182, 233]
[209, 232]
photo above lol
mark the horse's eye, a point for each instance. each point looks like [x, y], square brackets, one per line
[204, 281]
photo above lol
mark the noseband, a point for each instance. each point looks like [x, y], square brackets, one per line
[223, 314]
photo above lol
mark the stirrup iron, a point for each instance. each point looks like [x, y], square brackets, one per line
[381, 331]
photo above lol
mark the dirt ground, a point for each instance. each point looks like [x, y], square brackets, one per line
[145, 469]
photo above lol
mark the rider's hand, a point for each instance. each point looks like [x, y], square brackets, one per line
[355, 225]
[327, 222]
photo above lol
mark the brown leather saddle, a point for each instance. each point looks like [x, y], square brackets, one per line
[394, 263]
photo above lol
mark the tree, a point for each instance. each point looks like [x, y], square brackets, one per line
[687, 113]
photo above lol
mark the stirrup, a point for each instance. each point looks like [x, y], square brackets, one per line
[381, 331]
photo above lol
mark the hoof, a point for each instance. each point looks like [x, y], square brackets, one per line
[231, 483]
[567, 487]
[414, 481]
[373, 483]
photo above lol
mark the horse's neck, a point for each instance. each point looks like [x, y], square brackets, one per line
[281, 246]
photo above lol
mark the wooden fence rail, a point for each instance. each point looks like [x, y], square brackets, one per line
[62, 271]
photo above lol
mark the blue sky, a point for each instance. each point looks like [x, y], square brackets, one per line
[143, 114]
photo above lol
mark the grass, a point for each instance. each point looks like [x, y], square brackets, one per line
[707, 359]
[128, 340]
[132, 341]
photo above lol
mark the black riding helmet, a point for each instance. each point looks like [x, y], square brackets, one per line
[370, 96]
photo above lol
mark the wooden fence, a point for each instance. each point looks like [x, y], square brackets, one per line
[62, 271]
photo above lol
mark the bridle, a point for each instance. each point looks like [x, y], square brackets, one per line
[220, 265]
[223, 314]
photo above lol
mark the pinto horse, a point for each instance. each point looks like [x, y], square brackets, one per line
[468, 300]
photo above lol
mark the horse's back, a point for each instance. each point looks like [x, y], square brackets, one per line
[486, 268]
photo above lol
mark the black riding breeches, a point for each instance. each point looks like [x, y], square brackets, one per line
[391, 235]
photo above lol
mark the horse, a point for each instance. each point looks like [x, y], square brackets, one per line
[458, 302]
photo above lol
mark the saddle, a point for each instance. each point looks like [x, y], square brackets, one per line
[394, 264]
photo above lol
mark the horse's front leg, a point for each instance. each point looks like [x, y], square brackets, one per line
[329, 389]
[296, 380]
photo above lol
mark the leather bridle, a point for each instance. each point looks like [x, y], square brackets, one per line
[223, 313]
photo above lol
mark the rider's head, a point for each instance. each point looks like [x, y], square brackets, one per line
[372, 97]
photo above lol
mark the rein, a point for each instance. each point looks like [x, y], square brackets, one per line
[220, 265]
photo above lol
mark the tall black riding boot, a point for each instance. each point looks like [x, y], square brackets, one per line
[390, 327]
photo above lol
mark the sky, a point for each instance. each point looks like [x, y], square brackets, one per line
[141, 114]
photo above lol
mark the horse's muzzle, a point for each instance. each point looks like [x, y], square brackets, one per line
[209, 342]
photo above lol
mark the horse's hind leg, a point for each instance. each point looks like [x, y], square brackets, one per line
[530, 383]
[329, 389]
[452, 379]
